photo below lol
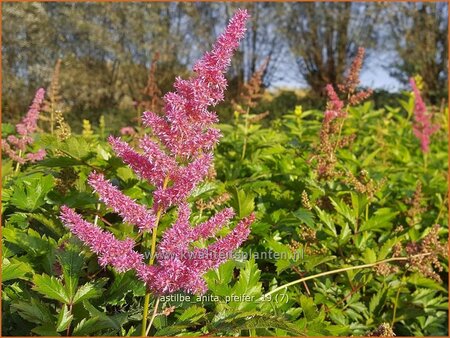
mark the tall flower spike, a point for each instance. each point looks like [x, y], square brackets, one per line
[175, 162]
[110, 250]
[334, 106]
[422, 127]
[16, 147]
[29, 122]
[186, 130]
[127, 208]
[140, 164]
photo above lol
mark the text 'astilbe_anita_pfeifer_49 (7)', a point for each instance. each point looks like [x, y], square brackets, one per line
[174, 159]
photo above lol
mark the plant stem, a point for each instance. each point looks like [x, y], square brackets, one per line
[70, 312]
[145, 314]
[96, 215]
[301, 280]
[18, 164]
[152, 259]
[396, 301]
[153, 317]
[244, 147]
[51, 121]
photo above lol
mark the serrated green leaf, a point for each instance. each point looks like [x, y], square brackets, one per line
[51, 288]
[33, 310]
[87, 291]
[64, 319]
[377, 302]
[242, 203]
[253, 320]
[328, 221]
[15, 270]
[308, 307]
[31, 242]
[381, 220]
[192, 314]
[71, 263]
[29, 193]
[86, 327]
[305, 216]
[104, 321]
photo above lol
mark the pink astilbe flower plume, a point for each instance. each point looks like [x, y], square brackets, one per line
[131, 211]
[110, 250]
[16, 147]
[335, 105]
[186, 128]
[29, 122]
[174, 159]
[184, 266]
[422, 126]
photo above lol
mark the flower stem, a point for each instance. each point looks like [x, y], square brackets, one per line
[18, 164]
[152, 259]
[153, 316]
[340, 270]
[244, 146]
[396, 300]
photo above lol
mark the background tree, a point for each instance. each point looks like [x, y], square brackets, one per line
[418, 34]
[106, 49]
[324, 37]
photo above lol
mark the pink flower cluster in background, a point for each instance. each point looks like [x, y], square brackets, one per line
[422, 126]
[335, 106]
[15, 147]
[175, 160]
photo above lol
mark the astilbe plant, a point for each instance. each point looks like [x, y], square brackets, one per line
[334, 117]
[422, 126]
[175, 160]
[17, 147]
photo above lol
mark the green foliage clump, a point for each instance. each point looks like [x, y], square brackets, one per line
[351, 254]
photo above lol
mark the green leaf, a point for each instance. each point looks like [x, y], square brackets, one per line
[15, 270]
[192, 314]
[46, 330]
[250, 321]
[248, 283]
[421, 281]
[31, 242]
[284, 254]
[344, 210]
[33, 310]
[71, 263]
[87, 291]
[64, 319]
[29, 193]
[305, 216]
[51, 288]
[308, 307]
[86, 327]
[377, 302]
[328, 221]
[312, 261]
[76, 147]
[59, 162]
[369, 158]
[123, 284]
[104, 321]
[369, 256]
[242, 203]
[50, 223]
[381, 220]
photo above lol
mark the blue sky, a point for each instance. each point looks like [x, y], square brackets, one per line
[374, 74]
